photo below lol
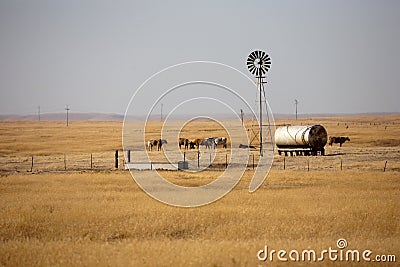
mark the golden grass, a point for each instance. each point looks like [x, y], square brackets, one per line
[103, 218]
[53, 137]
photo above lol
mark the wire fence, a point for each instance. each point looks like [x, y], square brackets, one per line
[384, 159]
[60, 162]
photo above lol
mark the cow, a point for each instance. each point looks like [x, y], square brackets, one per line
[197, 142]
[194, 143]
[151, 143]
[338, 140]
[156, 143]
[246, 146]
[183, 142]
[160, 143]
[220, 141]
[208, 142]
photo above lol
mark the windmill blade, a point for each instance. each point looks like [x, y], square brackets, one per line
[254, 53]
[251, 68]
[251, 57]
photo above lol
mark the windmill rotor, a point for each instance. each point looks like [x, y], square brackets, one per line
[258, 63]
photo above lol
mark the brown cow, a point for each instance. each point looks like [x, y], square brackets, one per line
[338, 140]
[194, 143]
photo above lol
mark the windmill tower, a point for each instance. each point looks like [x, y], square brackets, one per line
[258, 63]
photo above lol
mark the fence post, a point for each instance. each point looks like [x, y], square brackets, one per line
[184, 156]
[308, 164]
[65, 162]
[226, 160]
[91, 161]
[341, 165]
[384, 168]
[32, 164]
[198, 158]
[116, 159]
[253, 161]
[129, 156]
[284, 163]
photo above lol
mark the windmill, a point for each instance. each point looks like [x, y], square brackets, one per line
[258, 63]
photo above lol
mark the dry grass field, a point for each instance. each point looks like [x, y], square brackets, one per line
[99, 216]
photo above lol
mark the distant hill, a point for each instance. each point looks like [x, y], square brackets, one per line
[120, 117]
[62, 116]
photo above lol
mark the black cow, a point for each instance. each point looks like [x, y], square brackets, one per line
[338, 140]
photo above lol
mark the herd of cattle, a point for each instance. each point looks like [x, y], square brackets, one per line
[211, 142]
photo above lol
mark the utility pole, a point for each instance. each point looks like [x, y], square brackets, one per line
[39, 113]
[161, 112]
[67, 109]
[241, 115]
[296, 102]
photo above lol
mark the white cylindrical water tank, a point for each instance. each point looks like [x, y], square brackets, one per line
[314, 137]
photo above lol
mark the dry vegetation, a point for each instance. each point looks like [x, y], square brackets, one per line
[102, 218]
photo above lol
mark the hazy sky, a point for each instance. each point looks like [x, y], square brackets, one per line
[333, 56]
